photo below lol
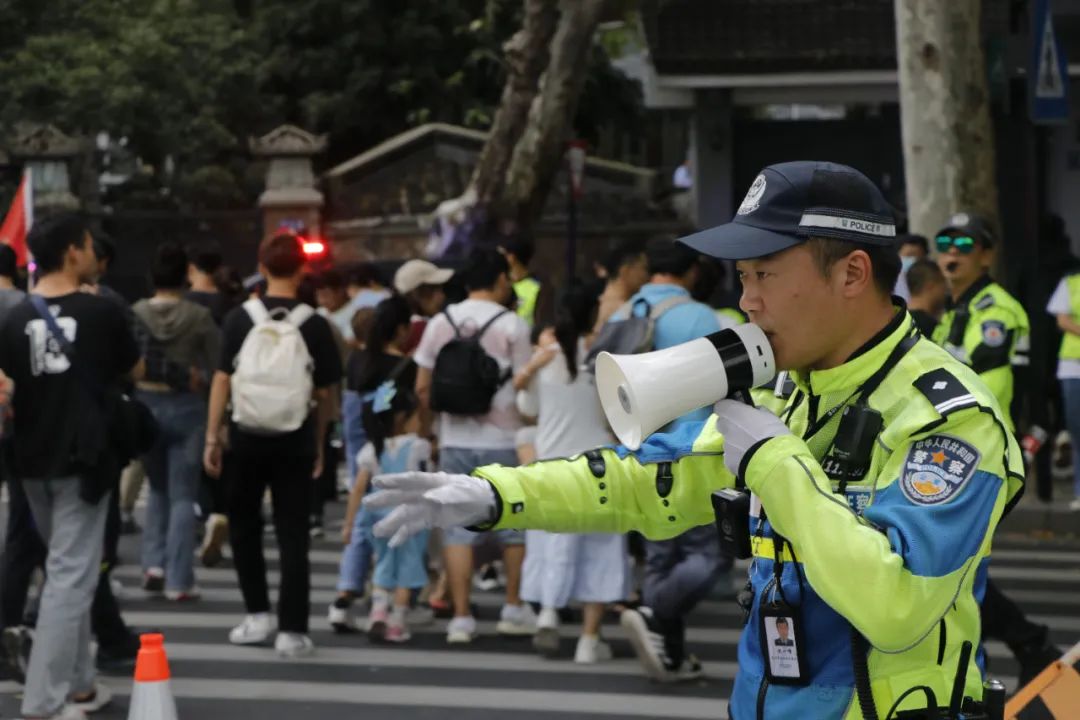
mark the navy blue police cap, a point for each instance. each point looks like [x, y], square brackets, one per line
[791, 202]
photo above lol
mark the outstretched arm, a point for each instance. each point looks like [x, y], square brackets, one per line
[661, 490]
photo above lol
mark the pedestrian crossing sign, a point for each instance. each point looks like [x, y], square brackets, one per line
[1048, 74]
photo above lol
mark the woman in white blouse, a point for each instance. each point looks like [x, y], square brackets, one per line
[592, 569]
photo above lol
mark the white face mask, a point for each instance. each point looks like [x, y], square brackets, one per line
[906, 261]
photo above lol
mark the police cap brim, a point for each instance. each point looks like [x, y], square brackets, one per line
[735, 241]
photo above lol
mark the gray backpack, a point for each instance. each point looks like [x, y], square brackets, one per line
[631, 334]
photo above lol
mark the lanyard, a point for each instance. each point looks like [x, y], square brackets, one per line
[864, 391]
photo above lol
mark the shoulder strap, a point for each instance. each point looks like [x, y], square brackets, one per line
[632, 305]
[662, 307]
[488, 324]
[256, 310]
[300, 314]
[399, 368]
[43, 311]
[457, 330]
[42, 307]
[944, 391]
[986, 301]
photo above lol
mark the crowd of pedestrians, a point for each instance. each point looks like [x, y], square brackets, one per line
[219, 400]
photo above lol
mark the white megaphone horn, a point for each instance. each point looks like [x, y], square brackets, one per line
[642, 393]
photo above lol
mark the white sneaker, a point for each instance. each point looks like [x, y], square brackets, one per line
[516, 620]
[1074, 506]
[102, 696]
[342, 620]
[546, 639]
[217, 532]
[293, 645]
[461, 630]
[591, 649]
[255, 630]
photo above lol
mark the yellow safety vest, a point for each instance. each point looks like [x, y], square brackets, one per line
[1070, 344]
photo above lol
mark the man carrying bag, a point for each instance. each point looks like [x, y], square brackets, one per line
[63, 454]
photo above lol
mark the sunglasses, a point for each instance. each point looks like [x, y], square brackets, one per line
[963, 244]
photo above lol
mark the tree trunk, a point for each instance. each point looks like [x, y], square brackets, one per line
[945, 112]
[526, 58]
[538, 155]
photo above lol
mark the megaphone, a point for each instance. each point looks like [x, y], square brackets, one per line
[642, 393]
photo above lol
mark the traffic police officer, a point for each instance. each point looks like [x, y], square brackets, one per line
[985, 327]
[878, 486]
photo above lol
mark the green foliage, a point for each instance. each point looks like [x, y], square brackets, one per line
[192, 80]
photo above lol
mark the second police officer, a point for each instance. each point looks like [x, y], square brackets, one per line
[876, 565]
[984, 326]
[987, 329]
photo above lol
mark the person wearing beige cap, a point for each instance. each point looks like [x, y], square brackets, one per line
[421, 283]
[421, 279]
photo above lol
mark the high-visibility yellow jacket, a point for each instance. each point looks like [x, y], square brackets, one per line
[901, 555]
[988, 330]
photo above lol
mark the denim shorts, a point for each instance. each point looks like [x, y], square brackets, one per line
[464, 461]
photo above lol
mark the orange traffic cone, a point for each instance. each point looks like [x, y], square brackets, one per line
[152, 698]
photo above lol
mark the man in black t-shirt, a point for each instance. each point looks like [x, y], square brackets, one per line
[62, 450]
[286, 462]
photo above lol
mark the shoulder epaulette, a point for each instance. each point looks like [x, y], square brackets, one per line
[985, 302]
[945, 392]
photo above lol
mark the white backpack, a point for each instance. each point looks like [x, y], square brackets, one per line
[272, 383]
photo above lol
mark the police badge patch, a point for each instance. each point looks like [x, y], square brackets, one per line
[993, 333]
[753, 196]
[937, 468]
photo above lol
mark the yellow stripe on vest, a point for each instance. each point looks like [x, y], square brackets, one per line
[762, 547]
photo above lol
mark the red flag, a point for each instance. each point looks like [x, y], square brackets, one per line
[20, 218]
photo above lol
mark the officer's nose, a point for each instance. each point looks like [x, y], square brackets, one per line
[750, 300]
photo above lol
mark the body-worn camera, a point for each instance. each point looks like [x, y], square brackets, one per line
[732, 509]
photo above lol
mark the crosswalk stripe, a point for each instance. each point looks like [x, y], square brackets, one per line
[695, 635]
[418, 659]
[1061, 576]
[1064, 557]
[552, 701]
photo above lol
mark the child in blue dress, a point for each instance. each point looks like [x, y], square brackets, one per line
[391, 421]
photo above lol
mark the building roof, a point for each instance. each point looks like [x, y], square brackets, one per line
[743, 37]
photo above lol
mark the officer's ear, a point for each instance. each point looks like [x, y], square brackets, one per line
[857, 274]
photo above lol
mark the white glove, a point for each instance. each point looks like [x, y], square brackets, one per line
[429, 500]
[743, 427]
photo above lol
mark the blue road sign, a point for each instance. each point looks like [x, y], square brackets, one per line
[1048, 72]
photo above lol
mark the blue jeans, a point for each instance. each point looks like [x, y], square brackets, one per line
[352, 428]
[356, 560]
[173, 469]
[1070, 389]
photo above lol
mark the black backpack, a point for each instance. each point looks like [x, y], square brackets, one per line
[466, 378]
